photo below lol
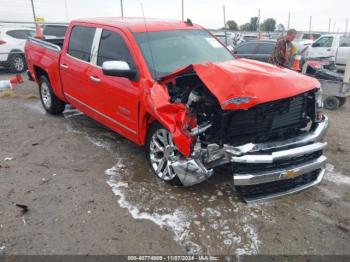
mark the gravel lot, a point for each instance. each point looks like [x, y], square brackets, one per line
[89, 191]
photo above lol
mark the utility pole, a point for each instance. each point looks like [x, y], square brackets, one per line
[334, 27]
[259, 17]
[122, 8]
[329, 25]
[288, 27]
[310, 24]
[346, 25]
[224, 11]
[183, 10]
[66, 9]
[33, 9]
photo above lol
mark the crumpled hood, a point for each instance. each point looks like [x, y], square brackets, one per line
[243, 83]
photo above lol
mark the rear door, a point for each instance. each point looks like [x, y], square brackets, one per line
[75, 64]
[116, 99]
[343, 50]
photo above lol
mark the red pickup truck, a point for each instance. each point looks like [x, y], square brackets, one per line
[173, 87]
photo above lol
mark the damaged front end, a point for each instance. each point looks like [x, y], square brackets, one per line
[273, 143]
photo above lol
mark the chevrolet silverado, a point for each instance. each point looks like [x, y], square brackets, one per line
[174, 88]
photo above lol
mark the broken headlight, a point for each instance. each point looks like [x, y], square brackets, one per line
[319, 105]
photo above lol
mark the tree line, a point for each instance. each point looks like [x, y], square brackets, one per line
[268, 25]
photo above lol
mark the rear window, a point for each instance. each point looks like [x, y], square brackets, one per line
[311, 36]
[80, 42]
[20, 33]
[250, 38]
[58, 31]
[248, 48]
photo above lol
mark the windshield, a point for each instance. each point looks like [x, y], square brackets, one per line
[167, 51]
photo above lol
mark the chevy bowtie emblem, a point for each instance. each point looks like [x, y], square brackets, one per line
[239, 100]
[289, 174]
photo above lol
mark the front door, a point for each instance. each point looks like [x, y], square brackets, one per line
[323, 47]
[115, 98]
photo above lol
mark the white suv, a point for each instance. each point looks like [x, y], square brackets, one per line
[12, 41]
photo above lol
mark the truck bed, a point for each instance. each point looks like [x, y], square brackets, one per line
[54, 43]
[44, 56]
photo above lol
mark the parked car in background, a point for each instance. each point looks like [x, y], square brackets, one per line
[260, 50]
[240, 38]
[225, 39]
[327, 45]
[12, 41]
[305, 39]
[343, 53]
[250, 37]
[54, 31]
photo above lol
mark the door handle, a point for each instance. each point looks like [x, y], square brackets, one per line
[95, 79]
[64, 66]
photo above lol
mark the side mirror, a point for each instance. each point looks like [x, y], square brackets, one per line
[315, 45]
[119, 69]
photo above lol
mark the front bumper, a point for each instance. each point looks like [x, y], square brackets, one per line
[281, 164]
[284, 167]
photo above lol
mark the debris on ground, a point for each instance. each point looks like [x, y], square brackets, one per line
[8, 158]
[23, 207]
[123, 184]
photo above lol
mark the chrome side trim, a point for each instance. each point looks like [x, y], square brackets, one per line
[95, 46]
[284, 154]
[45, 44]
[101, 114]
[279, 174]
[288, 192]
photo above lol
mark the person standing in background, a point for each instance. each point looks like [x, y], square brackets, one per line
[284, 50]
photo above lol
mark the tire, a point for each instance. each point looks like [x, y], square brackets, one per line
[16, 63]
[160, 151]
[342, 101]
[331, 103]
[49, 100]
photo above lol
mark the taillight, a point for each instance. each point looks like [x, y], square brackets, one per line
[2, 42]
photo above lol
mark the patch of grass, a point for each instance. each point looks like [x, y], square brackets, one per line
[31, 96]
[7, 94]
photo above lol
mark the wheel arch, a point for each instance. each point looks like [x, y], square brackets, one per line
[39, 72]
[15, 51]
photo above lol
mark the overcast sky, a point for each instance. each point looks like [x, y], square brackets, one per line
[205, 12]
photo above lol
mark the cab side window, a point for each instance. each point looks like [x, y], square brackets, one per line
[113, 48]
[326, 41]
[344, 41]
[20, 34]
[80, 42]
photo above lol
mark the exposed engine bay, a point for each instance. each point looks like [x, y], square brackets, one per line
[268, 134]
[272, 121]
